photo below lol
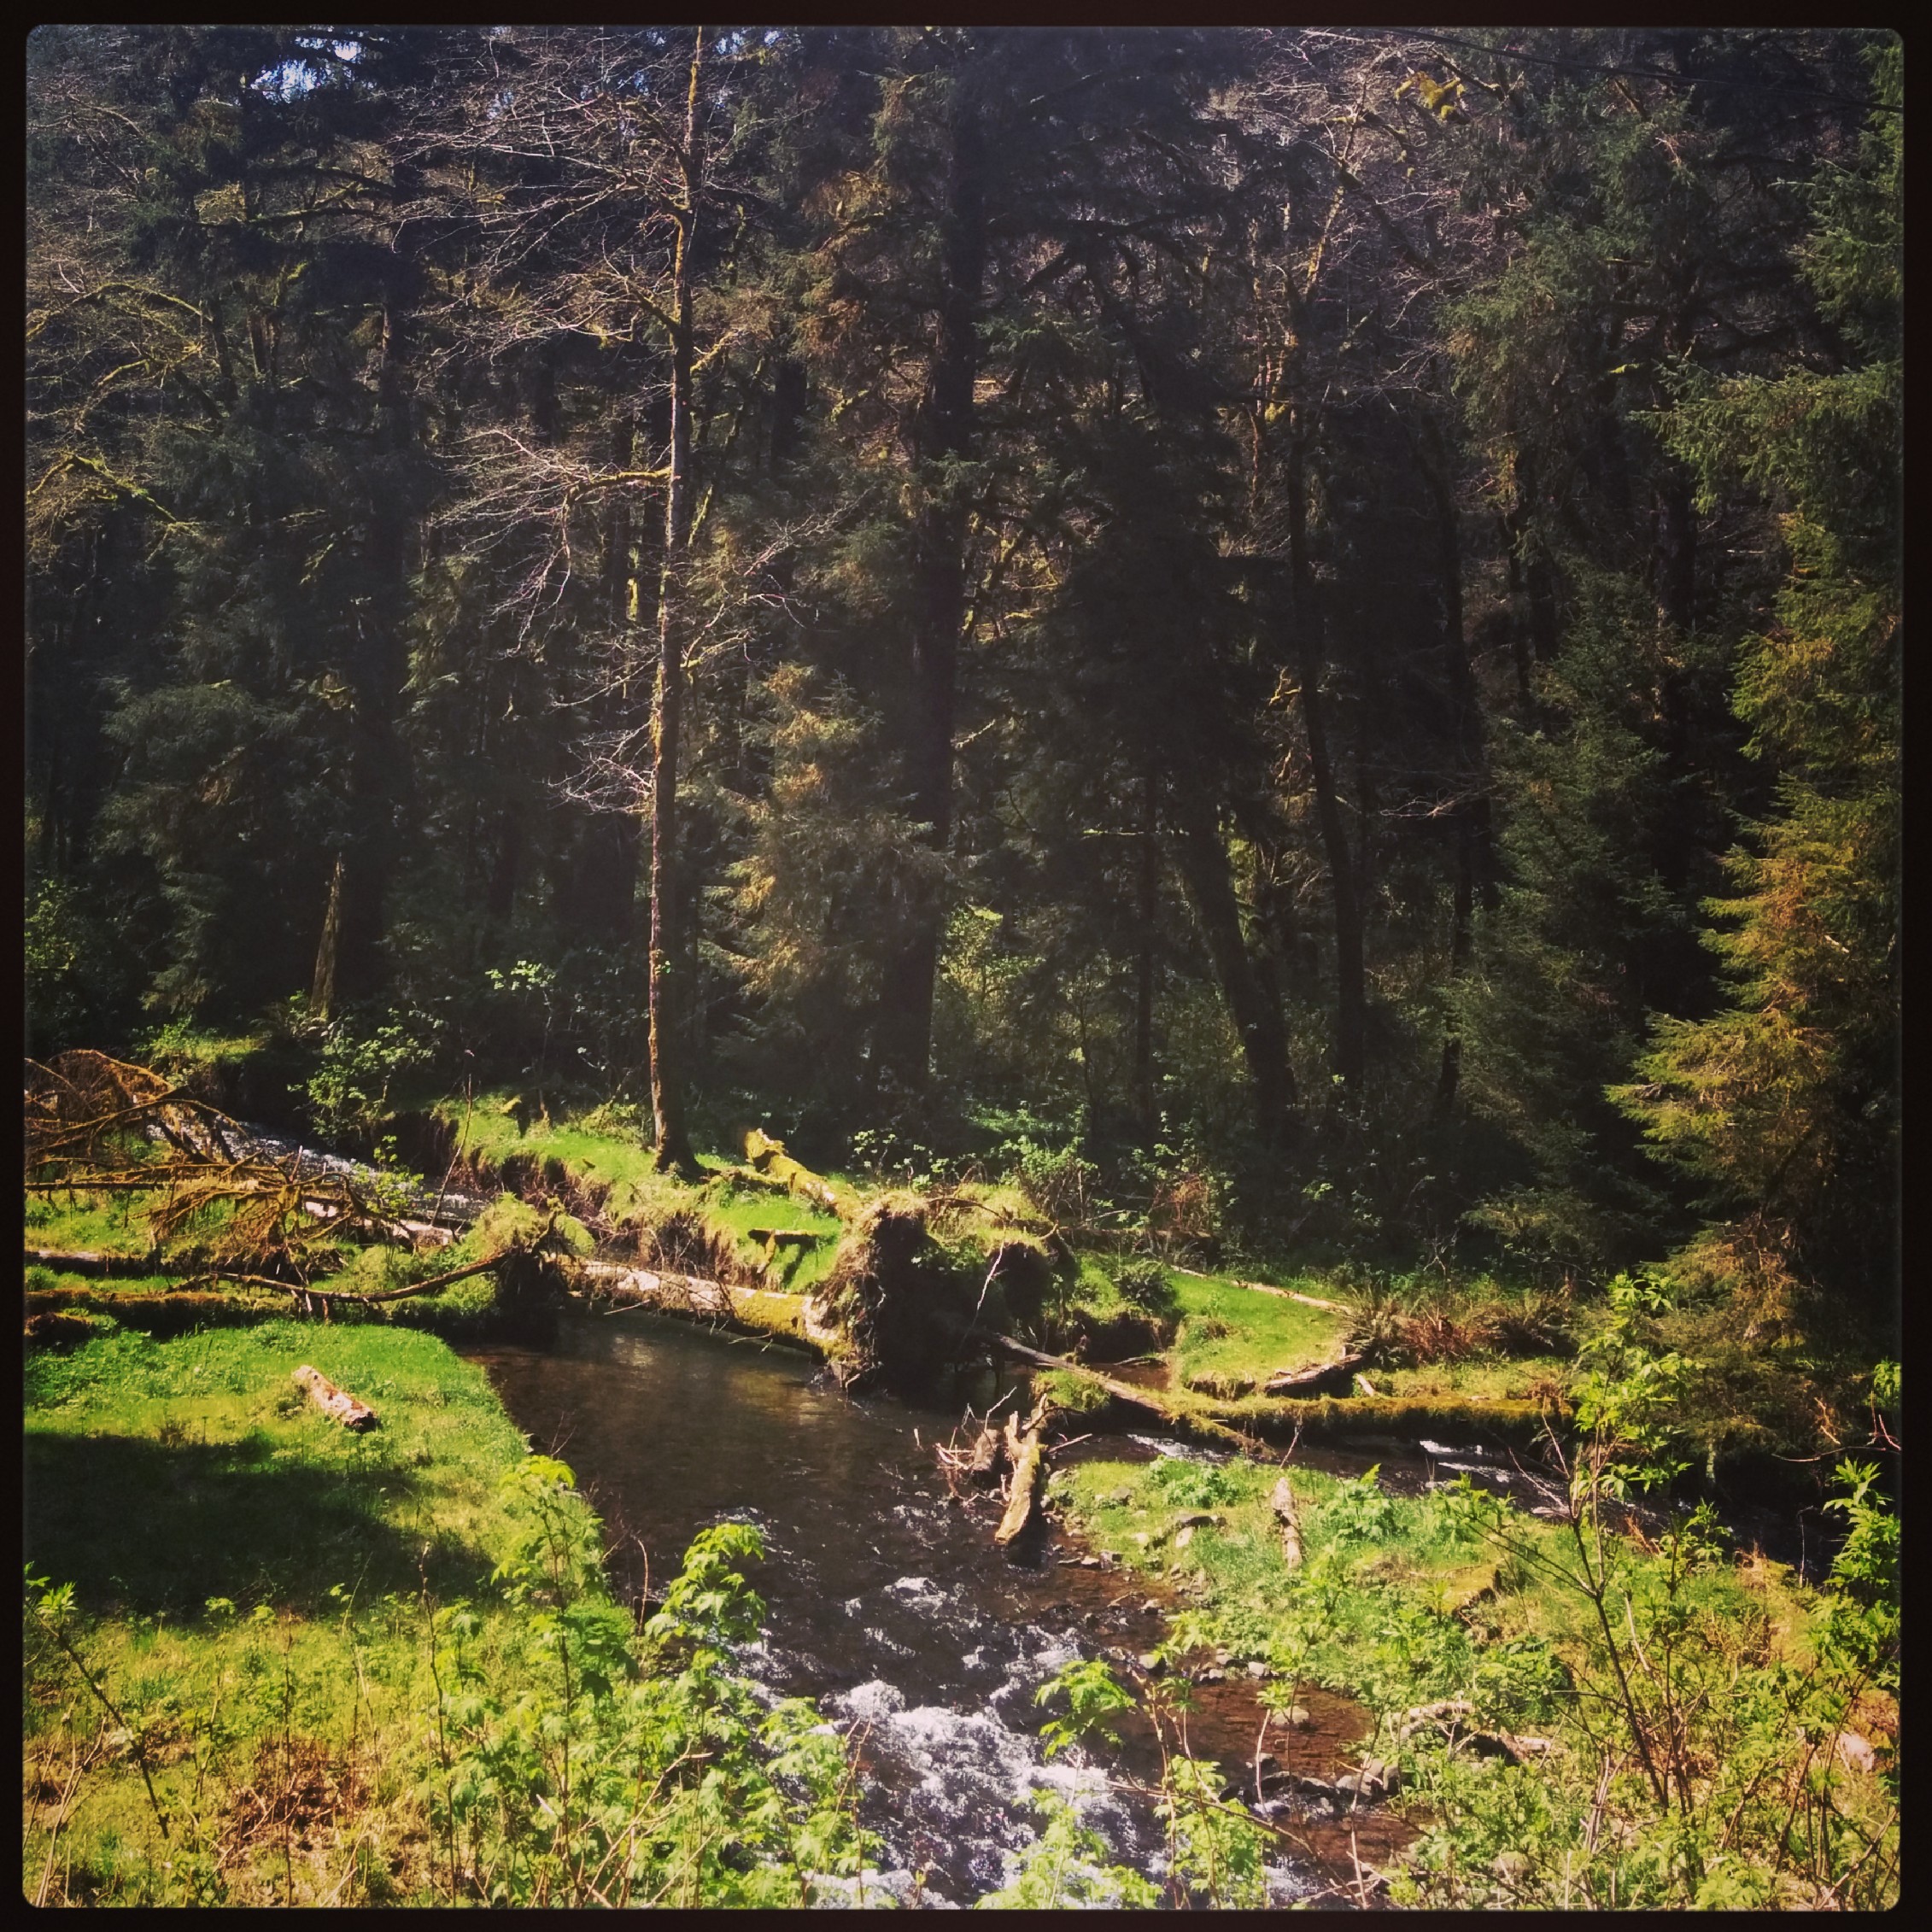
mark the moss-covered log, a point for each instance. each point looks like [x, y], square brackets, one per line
[88, 1260]
[1184, 1413]
[768, 1159]
[1394, 1422]
[169, 1313]
[749, 1311]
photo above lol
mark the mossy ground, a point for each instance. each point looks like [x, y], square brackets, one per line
[110, 1224]
[1484, 1379]
[734, 1207]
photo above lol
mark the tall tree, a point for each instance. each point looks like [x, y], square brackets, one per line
[1784, 1102]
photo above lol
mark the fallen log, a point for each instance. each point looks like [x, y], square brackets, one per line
[983, 1465]
[304, 1296]
[1180, 1417]
[681, 1294]
[1028, 1466]
[1284, 1381]
[767, 1157]
[337, 1404]
[171, 1312]
[86, 1260]
[1282, 1503]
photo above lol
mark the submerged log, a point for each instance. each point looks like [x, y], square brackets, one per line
[337, 1404]
[1282, 1503]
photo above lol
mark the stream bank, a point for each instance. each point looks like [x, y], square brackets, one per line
[885, 1598]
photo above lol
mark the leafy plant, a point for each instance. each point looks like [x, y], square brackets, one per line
[362, 1053]
[1196, 1485]
[1147, 1285]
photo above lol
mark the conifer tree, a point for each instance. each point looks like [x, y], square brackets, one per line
[1784, 1102]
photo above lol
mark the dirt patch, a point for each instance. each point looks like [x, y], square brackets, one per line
[297, 1796]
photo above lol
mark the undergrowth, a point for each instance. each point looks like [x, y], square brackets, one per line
[269, 1661]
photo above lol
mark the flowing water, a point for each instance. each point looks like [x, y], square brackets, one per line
[885, 1598]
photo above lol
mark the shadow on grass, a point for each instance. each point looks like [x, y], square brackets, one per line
[147, 1527]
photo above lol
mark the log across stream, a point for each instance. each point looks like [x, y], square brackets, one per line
[886, 1600]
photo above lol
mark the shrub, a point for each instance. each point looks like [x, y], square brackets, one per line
[1145, 1285]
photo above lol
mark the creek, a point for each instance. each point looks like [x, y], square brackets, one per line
[885, 1599]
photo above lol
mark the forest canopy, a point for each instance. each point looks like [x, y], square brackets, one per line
[1312, 612]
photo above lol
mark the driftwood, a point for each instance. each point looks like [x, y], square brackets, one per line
[337, 1404]
[977, 1461]
[1282, 1503]
[1029, 1466]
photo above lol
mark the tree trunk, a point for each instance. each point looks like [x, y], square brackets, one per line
[1675, 564]
[1460, 946]
[672, 1149]
[1147, 910]
[1475, 867]
[942, 433]
[1537, 577]
[1208, 878]
[322, 991]
[1350, 992]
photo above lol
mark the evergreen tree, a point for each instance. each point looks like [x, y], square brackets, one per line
[1784, 1102]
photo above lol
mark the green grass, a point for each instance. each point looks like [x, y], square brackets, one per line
[267, 1659]
[110, 1224]
[250, 1577]
[161, 1473]
[1396, 1600]
[1236, 1336]
[1130, 1510]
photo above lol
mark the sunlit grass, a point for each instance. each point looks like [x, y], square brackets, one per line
[1239, 1336]
[248, 1572]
